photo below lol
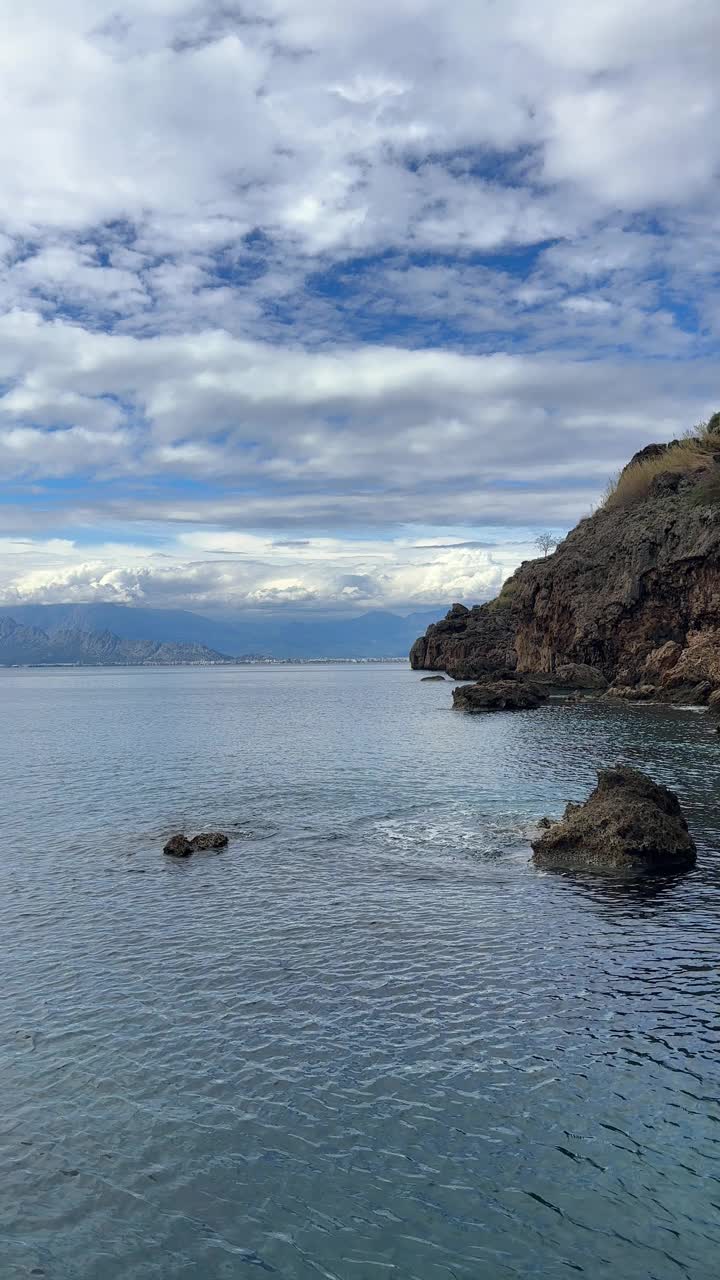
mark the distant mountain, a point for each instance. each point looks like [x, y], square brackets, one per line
[371, 635]
[27, 645]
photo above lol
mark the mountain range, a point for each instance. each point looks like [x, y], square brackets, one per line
[26, 645]
[96, 634]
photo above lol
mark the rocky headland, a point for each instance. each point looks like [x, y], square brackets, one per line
[628, 603]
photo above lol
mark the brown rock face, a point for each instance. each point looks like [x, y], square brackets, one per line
[627, 823]
[633, 594]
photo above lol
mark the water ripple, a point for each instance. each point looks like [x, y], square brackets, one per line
[369, 1039]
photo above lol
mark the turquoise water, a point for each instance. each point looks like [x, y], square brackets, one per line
[369, 1039]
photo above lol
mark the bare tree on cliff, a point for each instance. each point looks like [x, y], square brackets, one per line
[546, 543]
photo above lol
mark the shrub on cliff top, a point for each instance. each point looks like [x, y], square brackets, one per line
[692, 454]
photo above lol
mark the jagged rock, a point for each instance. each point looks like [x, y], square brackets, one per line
[633, 594]
[468, 644]
[178, 846]
[628, 822]
[660, 661]
[209, 840]
[431, 679]
[497, 695]
[714, 700]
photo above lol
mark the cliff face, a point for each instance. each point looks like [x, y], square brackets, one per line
[633, 592]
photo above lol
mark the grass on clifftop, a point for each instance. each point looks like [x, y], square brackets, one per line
[692, 454]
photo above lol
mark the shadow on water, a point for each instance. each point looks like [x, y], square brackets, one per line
[630, 889]
[624, 896]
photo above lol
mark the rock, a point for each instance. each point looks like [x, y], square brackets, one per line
[628, 822]
[545, 823]
[634, 693]
[209, 840]
[659, 661]
[178, 847]
[468, 643]
[497, 695]
[714, 701]
[701, 694]
[578, 675]
[430, 679]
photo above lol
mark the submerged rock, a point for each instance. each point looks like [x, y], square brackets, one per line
[497, 695]
[209, 840]
[178, 846]
[431, 679]
[627, 822]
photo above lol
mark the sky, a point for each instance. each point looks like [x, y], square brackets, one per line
[335, 307]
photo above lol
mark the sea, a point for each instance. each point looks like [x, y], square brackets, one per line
[368, 1040]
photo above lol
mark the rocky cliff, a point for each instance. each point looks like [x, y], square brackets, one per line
[633, 593]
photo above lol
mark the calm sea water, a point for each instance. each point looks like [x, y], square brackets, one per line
[369, 1039]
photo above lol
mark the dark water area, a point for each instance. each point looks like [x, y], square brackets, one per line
[369, 1039]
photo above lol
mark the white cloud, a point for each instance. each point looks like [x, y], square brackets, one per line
[193, 115]
[316, 268]
[332, 573]
[377, 418]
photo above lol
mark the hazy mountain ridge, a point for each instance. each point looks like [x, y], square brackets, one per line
[28, 645]
[378, 634]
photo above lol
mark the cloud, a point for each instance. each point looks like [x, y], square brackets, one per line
[303, 271]
[332, 573]
[214, 406]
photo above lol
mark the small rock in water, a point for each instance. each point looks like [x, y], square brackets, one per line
[426, 679]
[178, 846]
[627, 822]
[497, 695]
[209, 840]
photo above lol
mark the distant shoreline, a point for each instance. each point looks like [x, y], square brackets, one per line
[166, 666]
